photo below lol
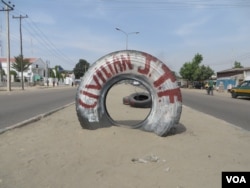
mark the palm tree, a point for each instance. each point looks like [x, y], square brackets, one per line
[21, 65]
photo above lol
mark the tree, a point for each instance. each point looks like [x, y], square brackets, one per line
[58, 72]
[186, 71]
[21, 65]
[193, 71]
[237, 65]
[51, 73]
[190, 70]
[81, 67]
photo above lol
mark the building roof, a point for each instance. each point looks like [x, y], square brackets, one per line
[4, 60]
[235, 70]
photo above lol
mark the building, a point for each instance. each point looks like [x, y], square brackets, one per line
[37, 71]
[232, 77]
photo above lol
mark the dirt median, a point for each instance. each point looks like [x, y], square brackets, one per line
[56, 152]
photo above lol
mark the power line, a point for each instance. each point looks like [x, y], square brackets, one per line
[47, 45]
[43, 41]
[173, 5]
[232, 60]
[46, 42]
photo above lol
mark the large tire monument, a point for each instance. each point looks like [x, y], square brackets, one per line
[156, 77]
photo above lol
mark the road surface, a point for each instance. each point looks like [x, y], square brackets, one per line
[17, 106]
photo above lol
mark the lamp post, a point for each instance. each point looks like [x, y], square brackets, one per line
[8, 7]
[127, 34]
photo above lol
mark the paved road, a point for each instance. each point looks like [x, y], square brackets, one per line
[17, 106]
[222, 106]
[20, 106]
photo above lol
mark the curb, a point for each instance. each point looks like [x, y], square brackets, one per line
[34, 119]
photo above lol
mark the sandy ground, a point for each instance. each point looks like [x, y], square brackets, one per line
[56, 152]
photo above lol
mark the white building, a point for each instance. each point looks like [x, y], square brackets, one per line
[37, 71]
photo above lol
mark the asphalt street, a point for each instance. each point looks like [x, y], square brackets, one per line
[18, 106]
[220, 105]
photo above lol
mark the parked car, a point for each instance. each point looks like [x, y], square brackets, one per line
[76, 82]
[242, 89]
[198, 85]
[136, 83]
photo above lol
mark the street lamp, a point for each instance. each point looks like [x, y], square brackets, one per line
[127, 34]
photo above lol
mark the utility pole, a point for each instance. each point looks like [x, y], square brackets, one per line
[21, 44]
[8, 7]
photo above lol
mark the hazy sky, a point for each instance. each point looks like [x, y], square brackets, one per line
[62, 32]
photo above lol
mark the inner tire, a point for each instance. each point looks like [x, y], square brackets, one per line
[140, 100]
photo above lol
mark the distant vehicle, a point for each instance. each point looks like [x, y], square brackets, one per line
[242, 89]
[198, 85]
[136, 83]
[77, 81]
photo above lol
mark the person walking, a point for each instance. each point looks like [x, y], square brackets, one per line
[210, 87]
[207, 88]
